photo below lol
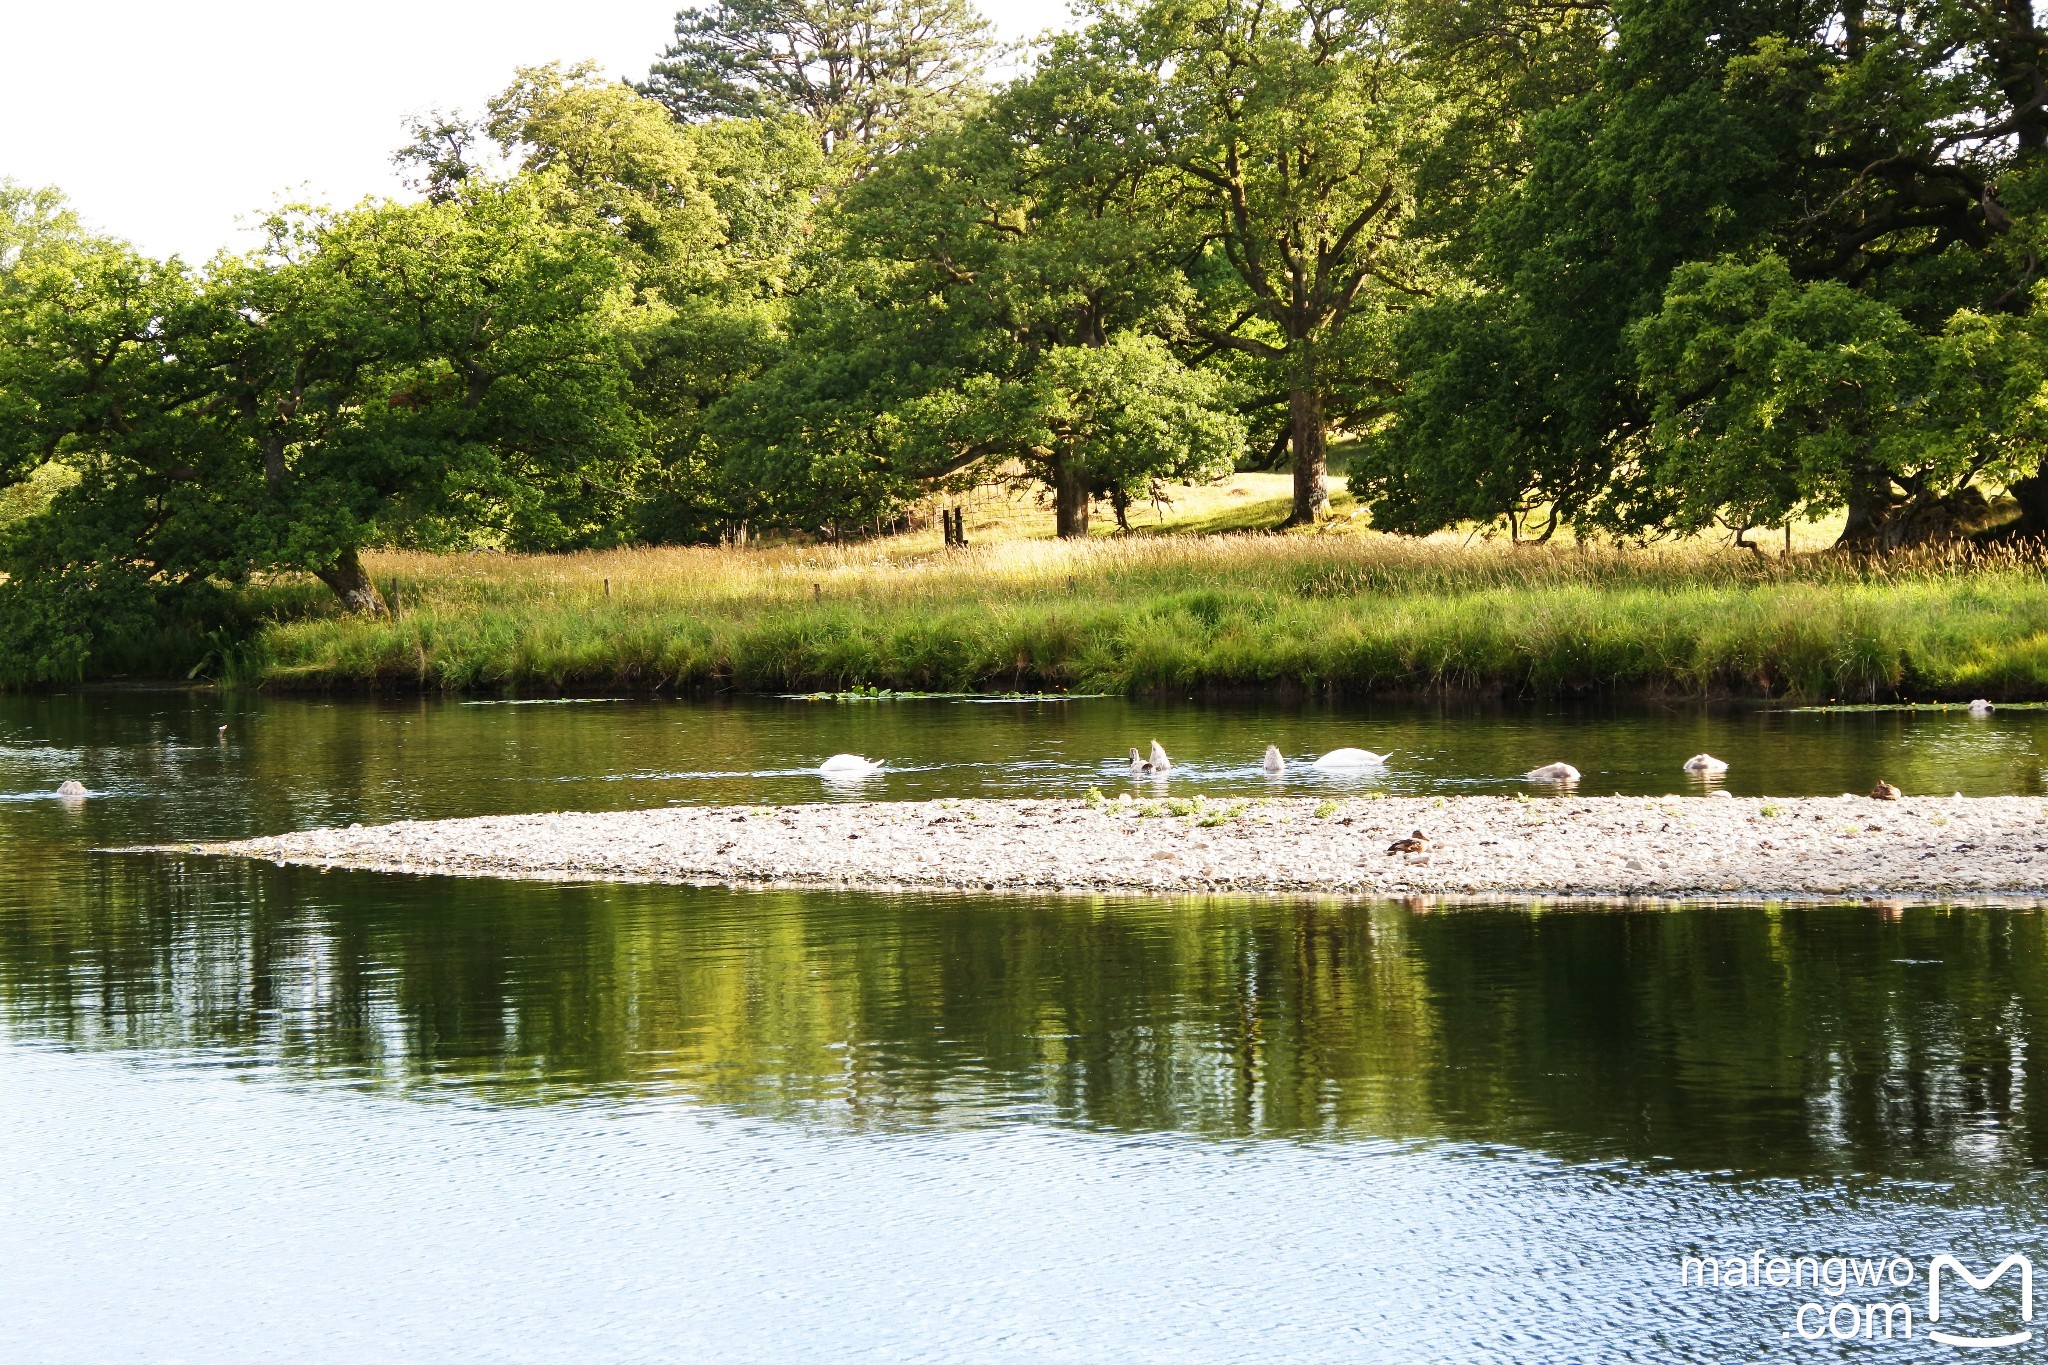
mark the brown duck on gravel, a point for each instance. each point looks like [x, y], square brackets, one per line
[1418, 842]
[1885, 791]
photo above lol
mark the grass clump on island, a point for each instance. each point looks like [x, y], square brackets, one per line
[1341, 614]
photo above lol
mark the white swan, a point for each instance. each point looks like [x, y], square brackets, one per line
[73, 787]
[1275, 762]
[1154, 766]
[1705, 763]
[1553, 772]
[1981, 707]
[1340, 759]
[848, 765]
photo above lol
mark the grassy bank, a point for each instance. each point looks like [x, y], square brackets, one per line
[1154, 614]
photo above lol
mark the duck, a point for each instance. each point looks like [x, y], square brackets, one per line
[1705, 763]
[849, 765]
[71, 788]
[1885, 791]
[1981, 707]
[1275, 762]
[1350, 758]
[1417, 842]
[1552, 772]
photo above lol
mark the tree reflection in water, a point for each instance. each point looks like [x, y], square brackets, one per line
[1759, 1039]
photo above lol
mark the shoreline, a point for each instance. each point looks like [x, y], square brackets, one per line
[1481, 847]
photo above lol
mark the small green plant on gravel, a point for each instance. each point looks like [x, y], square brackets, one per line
[1326, 810]
[1223, 815]
[1095, 799]
[1767, 810]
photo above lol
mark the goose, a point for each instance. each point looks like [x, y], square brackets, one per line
[848, 765]
[1275, 762]
[1418, 842]
[1981, 707]
[71, 788]
[1705, 763]
[1885, 791]
[1350, 758]
[1552, 772]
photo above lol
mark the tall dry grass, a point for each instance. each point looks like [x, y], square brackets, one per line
[1340, 614]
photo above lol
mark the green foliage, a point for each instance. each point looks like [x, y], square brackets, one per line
[861, 71]
[428, 373]
[49, 623]
[1743, 264]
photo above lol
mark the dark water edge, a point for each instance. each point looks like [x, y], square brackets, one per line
[250, 1112]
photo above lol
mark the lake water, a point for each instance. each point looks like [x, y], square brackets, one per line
[258, 1113]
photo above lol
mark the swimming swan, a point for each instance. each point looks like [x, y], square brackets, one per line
[1350, 758]
[1155, 766]
[71, 788]
[1705, 763]
[1275, 762]
[1552, 772]
[1981, 707]
[848, 765]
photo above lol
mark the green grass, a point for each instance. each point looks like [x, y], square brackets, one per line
[1352, 614]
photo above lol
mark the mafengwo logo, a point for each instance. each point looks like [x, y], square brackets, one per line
[1883, 1298]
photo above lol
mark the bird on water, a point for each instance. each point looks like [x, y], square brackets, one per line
[1154, 766]
[1338, 759]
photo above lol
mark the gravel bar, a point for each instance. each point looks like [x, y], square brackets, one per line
[1600, 847]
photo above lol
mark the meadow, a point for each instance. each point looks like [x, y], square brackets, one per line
[1340, 614]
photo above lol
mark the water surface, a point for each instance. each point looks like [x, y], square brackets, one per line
[250, 1112]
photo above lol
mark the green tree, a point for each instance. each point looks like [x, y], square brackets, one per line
[1892, 151]
[1110, 420]
[422, 373]
[1288, 128]
[996, 287]
[707, 221]
[862, 71]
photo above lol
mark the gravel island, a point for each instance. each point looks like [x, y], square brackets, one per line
[1803, 848]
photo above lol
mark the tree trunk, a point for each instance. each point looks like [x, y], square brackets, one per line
[1870, 507]
[1070, 496]
[1311, 459]
[351, 583]
[2031, 493]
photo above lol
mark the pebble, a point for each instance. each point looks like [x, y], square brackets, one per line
[1572, 846]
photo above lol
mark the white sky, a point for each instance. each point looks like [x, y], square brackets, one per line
[172, 122]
